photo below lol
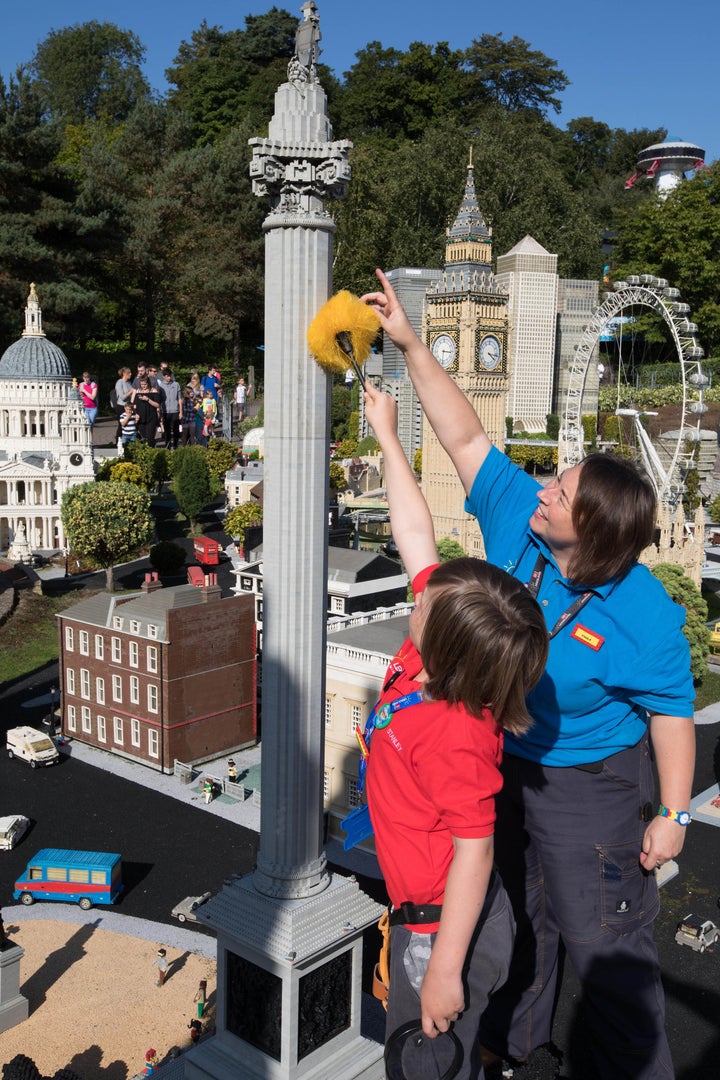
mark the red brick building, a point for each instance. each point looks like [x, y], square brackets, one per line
[161, 674]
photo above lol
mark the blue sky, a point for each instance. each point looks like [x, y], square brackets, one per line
[630, 64]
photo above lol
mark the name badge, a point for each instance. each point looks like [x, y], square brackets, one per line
[587, 637]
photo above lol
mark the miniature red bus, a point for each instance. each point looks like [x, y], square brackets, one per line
[206, 550]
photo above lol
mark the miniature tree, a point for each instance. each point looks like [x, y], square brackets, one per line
[684, 591]
[237, 519]
[191, 482]
[106, 523]
[167, 557]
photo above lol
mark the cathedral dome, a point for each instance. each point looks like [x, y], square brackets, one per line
[34, 358]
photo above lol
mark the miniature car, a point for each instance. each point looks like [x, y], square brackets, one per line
[187, 908]
[697, 933]
[31, 745]
[12, 829]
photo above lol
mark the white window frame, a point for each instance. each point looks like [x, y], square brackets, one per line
[101, 729]
[86, 719]
[134, 626]
[100, 690]
[152, 658]
[84, 683]
[70, 680]
[133, 654]
[118, 730]
[152, 630]
[72, 718]
[69, 639]
[356, 717]
[153, 698]
[84, 642]
[117, 688]
[353, 798]
[134, 690]
[329, 709]
[116, 650]
[117, 622]
[153, 743]
[99, 647]
[337, 605]
[135, 732]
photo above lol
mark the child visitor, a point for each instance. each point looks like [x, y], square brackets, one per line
[433, 746]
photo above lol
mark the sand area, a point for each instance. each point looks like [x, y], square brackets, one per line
[95, 1007]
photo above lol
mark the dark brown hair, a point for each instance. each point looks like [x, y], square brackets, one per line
[484, 642]
[613, 514]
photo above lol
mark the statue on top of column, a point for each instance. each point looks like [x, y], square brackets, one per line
[302, 67]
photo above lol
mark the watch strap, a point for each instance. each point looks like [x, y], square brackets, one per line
[681, 816]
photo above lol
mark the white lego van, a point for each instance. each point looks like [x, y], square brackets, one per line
[31, 745]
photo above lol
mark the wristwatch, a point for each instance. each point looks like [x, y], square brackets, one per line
[681, 816]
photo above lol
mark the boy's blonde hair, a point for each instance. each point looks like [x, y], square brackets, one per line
[484, 642]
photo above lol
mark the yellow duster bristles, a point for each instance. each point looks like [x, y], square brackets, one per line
[343, 312]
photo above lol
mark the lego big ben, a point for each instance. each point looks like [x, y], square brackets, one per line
[465, 325]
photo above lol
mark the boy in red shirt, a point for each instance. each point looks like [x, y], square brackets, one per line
[477, 645]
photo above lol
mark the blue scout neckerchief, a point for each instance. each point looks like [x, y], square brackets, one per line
[357, 824]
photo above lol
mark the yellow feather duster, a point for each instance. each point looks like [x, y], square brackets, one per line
[343, 329]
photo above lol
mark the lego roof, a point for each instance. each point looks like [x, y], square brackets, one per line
[384, 636]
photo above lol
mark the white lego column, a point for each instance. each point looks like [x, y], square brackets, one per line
[290, 935]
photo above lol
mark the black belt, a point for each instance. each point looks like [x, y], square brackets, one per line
[412, 914]
[415, 913]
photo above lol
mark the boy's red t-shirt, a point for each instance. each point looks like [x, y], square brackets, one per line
[433, 773]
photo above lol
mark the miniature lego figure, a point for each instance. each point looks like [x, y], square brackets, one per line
[208, 790]
[151, 1062]
[200, 997]
[195, 1031]
[160, 962]
[232, 771]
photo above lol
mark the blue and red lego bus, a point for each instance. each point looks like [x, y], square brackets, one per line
[81, 877]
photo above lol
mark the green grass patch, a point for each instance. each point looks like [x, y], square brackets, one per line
[30, 635]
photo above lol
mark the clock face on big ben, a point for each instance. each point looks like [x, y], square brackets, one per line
[444, 349]
[490, 352]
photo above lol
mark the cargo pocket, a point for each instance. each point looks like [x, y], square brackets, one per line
[628, 896]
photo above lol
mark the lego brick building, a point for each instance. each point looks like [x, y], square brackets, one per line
[161, 674]
[359, 650]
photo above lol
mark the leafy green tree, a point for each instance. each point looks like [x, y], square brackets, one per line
[417, 462]
[219, 270]
[514, 75]
[167, 557]
[221, 456]
[219, 77]
[153, 462]
[142, 182]
[394, 93]
[106, 523]
[90, 71]
[368, 446]
[237, 520]
[450, 549]
[346, 449]
[683, 591]
[338, 480]
[191, 482]
[678, 238]
[44, 235]
[124, 472]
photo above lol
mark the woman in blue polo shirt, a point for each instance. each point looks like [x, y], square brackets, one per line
[578, 836]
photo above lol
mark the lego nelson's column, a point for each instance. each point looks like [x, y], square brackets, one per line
[290, 935]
